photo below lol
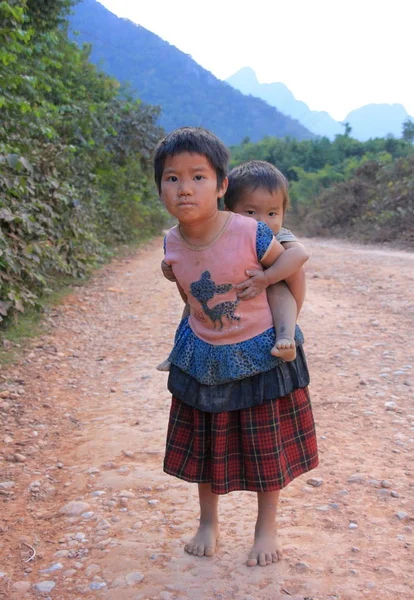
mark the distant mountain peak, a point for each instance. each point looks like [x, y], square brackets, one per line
[277, 94]
[377, 120]
[370, 121]
[245, 74]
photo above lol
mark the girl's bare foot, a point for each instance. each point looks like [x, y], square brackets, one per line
[266, 549]
[205, 540]
[284, 349]
[164, 366]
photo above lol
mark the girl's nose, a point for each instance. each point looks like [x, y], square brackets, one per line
[185, 189]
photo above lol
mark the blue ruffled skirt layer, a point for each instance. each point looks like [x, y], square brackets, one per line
[216, 365]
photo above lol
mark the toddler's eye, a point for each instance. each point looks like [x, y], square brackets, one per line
[250, 212]
[198, 177]
[272, 214]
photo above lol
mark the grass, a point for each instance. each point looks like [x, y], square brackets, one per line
[21, 327]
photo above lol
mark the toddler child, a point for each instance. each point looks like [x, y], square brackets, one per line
[258, 189]
[240, 417]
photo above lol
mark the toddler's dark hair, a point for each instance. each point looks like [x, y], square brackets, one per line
[195, 140]
[252, 175]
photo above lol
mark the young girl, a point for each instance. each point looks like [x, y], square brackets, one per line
[258, 190]
[240, 418]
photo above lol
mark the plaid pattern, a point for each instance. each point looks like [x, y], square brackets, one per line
[260, 449]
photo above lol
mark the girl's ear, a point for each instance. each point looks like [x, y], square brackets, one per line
[223, 188]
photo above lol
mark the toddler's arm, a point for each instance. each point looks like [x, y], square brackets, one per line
[285, 265]
[288, 263]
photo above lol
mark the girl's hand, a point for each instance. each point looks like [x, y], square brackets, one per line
[253, 286]
[168, 272]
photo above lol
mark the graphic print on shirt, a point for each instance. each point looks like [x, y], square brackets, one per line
[204, 290]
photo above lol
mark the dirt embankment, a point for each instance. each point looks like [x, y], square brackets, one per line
[86, 511]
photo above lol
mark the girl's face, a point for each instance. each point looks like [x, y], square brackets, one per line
[264, 206]
[189, 188]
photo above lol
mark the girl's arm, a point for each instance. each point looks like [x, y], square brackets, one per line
[279, 267]
[167, 271]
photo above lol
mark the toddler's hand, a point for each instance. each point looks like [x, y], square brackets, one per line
[167, 271]
[253, 286]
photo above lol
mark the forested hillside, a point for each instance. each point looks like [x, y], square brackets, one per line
[347, 188]
[163, 75]
[75, 168]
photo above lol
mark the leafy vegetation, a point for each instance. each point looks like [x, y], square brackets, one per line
[75, 168]
[346, 187]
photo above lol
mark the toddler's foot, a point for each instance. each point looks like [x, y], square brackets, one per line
[164, 366]
[205, 540]
[284, 349]
[266, 549]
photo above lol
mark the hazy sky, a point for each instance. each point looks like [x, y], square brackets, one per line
[331, 54]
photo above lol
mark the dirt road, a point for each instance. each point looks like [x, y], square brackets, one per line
[86, 511]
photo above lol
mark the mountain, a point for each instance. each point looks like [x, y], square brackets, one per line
[162, 75]
[377, 120]
[279, 96]
[370, 121]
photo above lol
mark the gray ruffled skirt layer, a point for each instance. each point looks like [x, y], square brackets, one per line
[243, 393]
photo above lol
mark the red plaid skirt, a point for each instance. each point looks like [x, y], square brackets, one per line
[260, 449]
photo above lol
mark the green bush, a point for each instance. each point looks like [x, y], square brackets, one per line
[75, 157]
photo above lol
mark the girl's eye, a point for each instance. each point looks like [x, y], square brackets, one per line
[198, 177]
[172, 178]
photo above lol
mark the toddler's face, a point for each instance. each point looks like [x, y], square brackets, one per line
[264, 206]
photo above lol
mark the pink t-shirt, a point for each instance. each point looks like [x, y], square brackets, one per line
[208, 275]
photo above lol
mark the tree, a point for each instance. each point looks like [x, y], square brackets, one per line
[408, 131]
[46, 15]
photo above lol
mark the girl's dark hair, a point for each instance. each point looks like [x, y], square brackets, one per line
[194, 140]
[252, 175]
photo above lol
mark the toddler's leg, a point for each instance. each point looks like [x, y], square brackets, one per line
[265, 548]
[204, 541]
[284, 311]
[165, 365]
